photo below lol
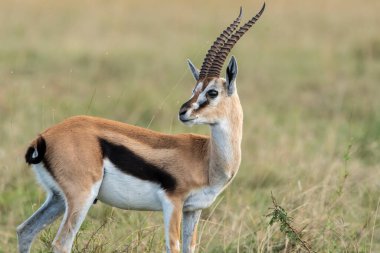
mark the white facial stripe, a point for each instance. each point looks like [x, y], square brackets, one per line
[198, 87]
[201, 98]
[194, 106]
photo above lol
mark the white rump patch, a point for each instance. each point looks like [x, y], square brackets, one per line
[45, 179]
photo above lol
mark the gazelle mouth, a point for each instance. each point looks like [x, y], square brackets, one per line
[186, 120]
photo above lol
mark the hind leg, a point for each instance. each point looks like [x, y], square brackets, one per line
[53, 207]
[77, 205]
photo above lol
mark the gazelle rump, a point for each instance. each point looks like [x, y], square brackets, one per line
[84, 159]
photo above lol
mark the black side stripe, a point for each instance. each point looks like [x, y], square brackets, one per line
[132, 164]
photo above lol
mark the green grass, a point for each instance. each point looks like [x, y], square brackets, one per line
[309, 76]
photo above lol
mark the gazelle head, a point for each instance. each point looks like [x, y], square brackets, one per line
[214, 97]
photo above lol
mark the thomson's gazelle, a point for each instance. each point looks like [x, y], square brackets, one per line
[84, 158]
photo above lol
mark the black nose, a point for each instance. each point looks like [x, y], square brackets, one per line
[182, 111]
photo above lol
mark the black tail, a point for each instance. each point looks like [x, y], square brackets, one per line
[36, 151]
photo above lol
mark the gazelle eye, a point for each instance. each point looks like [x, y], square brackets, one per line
[212, 93]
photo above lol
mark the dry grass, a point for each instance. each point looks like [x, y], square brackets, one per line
[309, 84]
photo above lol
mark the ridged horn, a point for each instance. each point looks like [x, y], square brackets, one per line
[218, 43]
[217, 64]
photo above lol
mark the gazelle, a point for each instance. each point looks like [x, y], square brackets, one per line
[83, 159]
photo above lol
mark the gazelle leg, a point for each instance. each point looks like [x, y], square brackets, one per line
[77, 205]
[172, 210]
[189, 230]
[53, 207]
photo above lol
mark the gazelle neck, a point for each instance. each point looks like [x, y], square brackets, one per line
[225, 145]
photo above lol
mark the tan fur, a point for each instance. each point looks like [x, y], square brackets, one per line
[194, 239]
[75, 206]
[73, 151]
[229, 108]
[175, 225]
[74, 157]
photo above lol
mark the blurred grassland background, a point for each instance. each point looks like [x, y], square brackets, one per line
[309, 82]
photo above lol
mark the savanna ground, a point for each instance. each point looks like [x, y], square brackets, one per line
[309, 83]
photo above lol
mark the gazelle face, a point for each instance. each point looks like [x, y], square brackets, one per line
[206, 103]
[212, 98]
[215, 98]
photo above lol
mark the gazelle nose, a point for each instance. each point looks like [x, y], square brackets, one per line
[182, 111]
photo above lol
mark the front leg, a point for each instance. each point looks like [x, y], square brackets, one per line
[172, 209]
[189, 230]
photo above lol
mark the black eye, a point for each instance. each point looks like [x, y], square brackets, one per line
[212, 93]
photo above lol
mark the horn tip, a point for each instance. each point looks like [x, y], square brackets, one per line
[262, 8]
[241, 11]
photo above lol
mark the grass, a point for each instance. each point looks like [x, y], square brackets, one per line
[308, 80]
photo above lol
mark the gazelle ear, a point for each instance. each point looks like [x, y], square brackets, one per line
[231, 73]
[194, 70]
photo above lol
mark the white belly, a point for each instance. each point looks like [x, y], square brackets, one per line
[127, 192]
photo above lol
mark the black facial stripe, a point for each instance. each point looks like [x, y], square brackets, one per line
[204, 104]
[132, 164]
